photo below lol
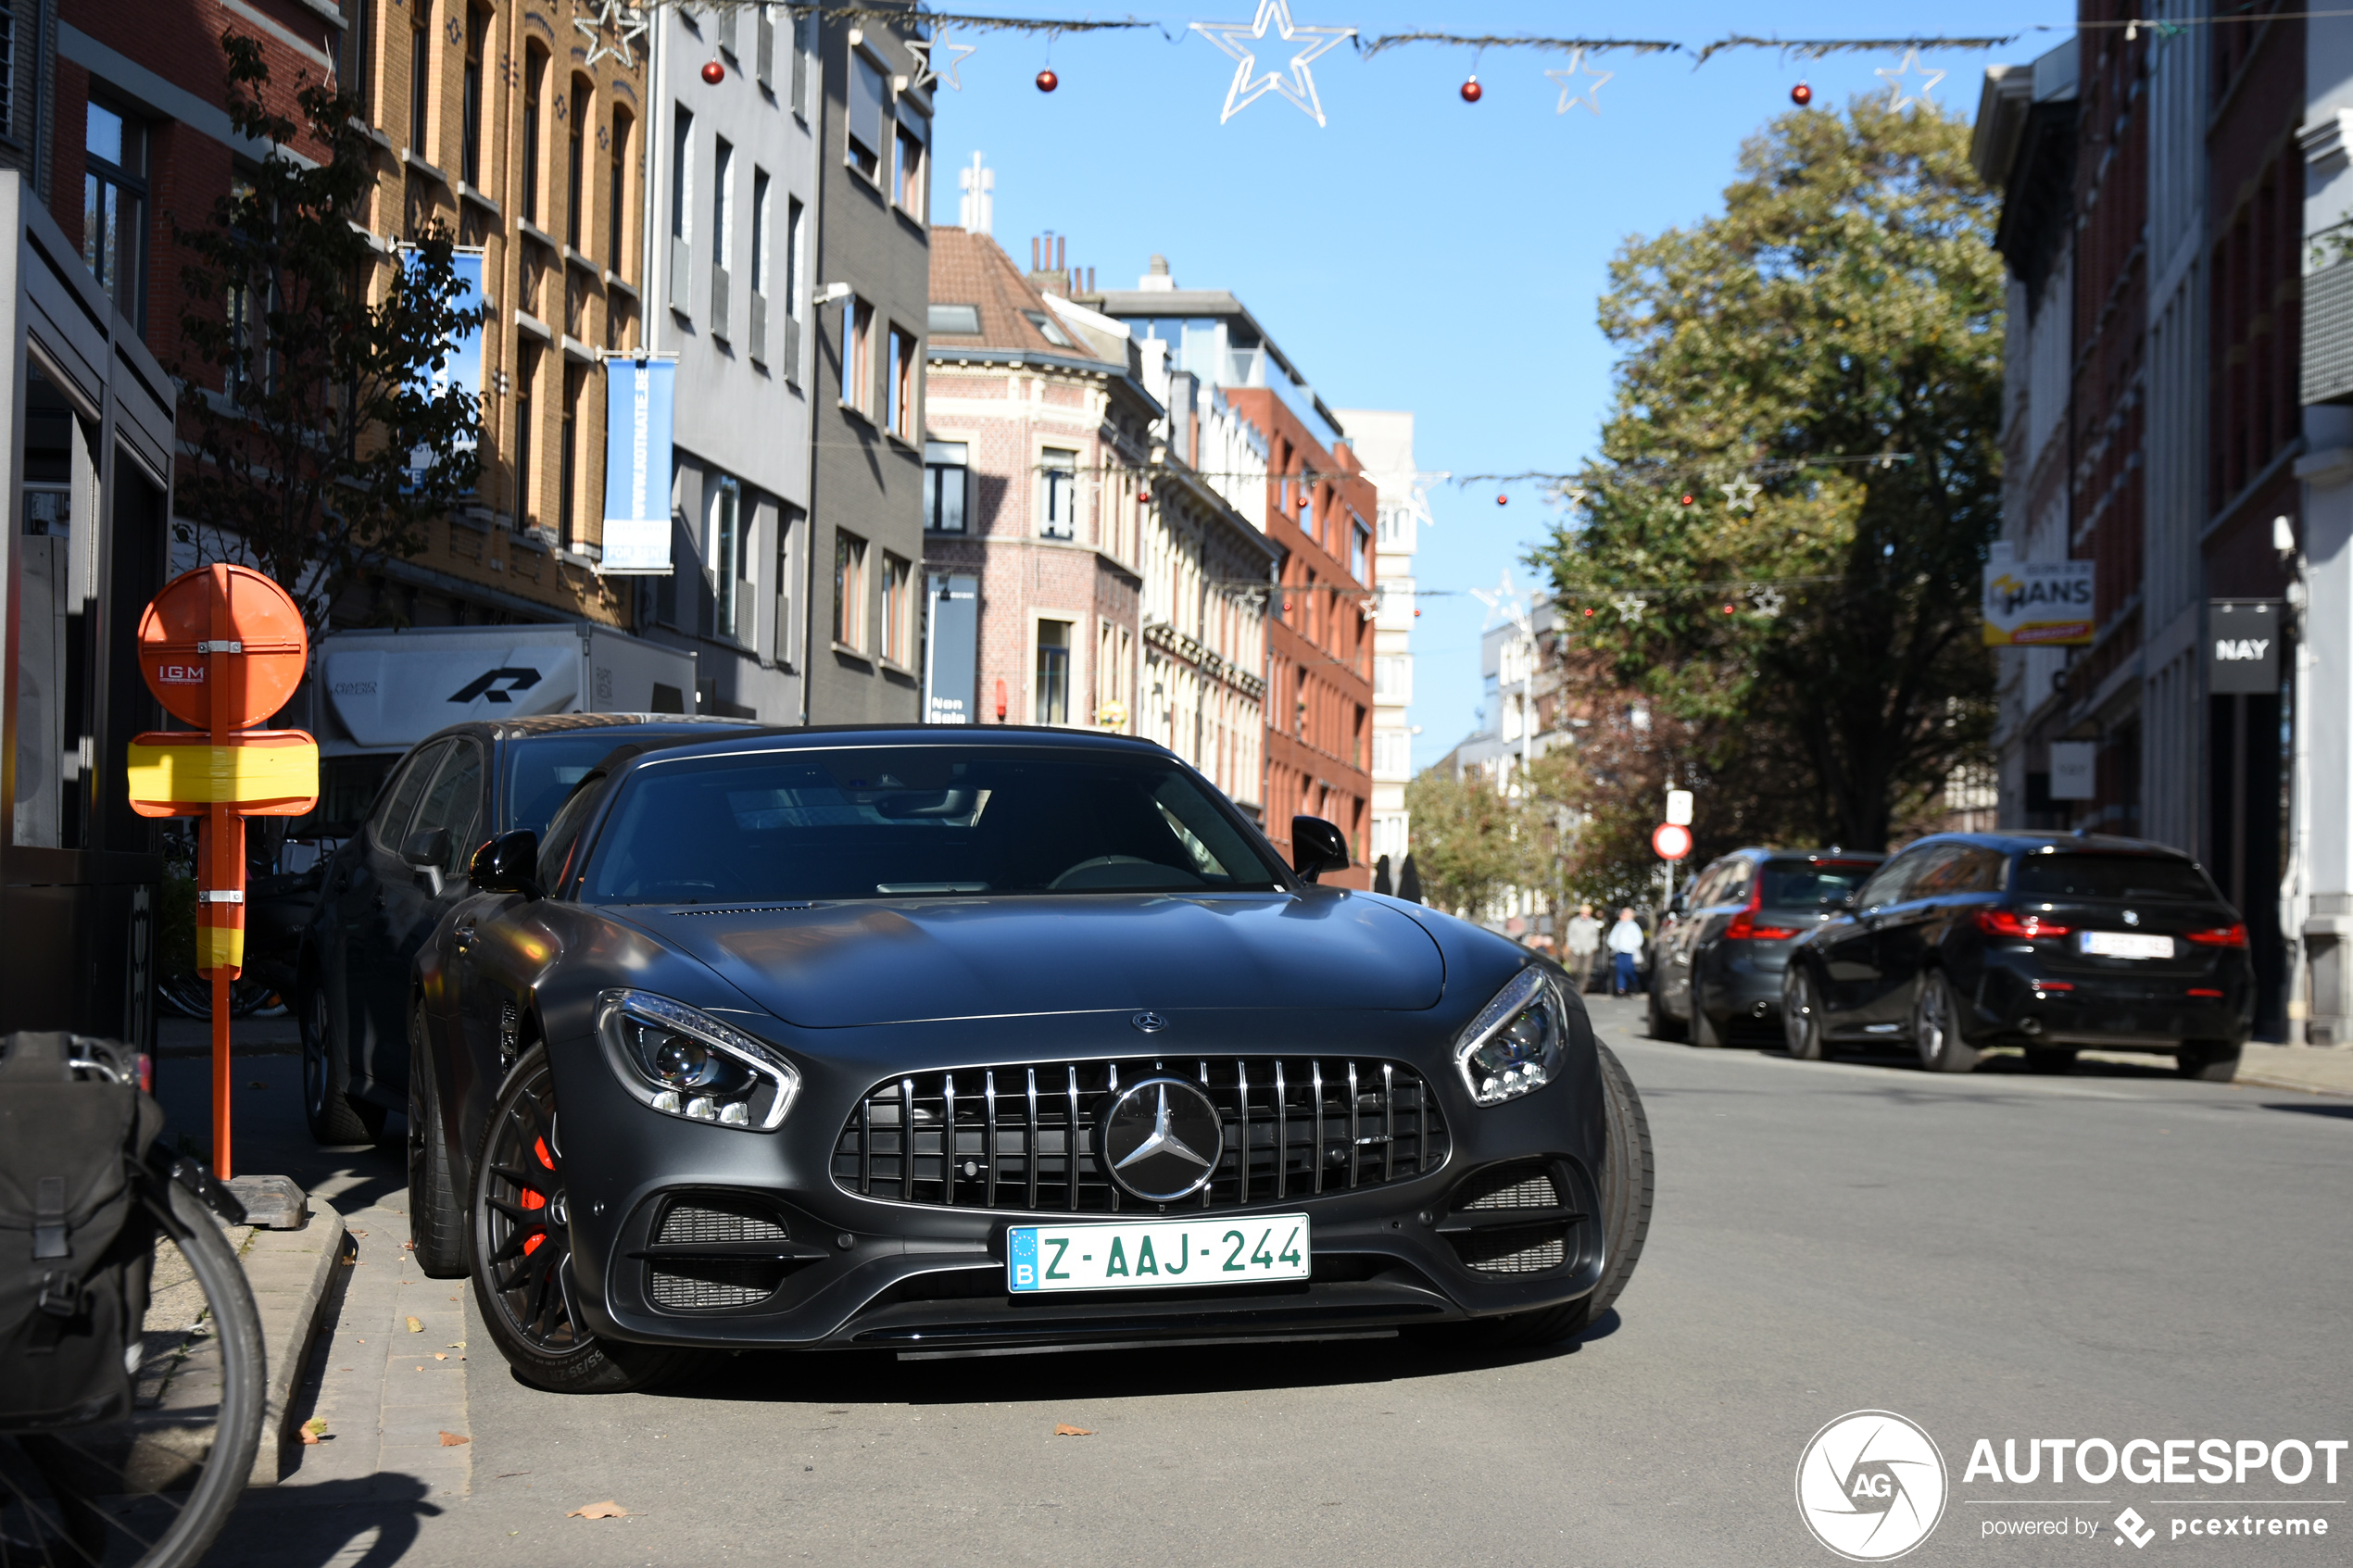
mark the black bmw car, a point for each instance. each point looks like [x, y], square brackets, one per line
[923, 1038]
[2052, 943]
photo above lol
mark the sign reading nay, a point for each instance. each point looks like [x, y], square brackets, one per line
[638, 399]
[2037, 603]
[2243, 646]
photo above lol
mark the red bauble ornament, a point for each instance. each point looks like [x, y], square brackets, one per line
[1687, 500]
[1048, 81]
[713, 73]
[1801, 94]
[1473, 92]
[1145, 497]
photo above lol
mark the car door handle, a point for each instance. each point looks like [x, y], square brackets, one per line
[465, 937]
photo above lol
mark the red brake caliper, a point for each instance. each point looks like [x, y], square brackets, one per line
[534, 1200]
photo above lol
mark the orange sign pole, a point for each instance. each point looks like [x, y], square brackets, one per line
[223, 647]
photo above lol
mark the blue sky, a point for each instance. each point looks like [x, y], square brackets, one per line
[1417, 252]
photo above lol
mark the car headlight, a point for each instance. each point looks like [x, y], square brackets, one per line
[1513, 1046]
[690, 1064]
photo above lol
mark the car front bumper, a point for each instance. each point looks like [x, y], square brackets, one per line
[839, 1267]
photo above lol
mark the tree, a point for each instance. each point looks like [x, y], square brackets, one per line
[1464, 846]
[321, 443]
[1834, 337]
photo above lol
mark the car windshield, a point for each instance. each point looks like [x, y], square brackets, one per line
[541, 771]
[911, 821]
[2063, 875]
[1811, 885]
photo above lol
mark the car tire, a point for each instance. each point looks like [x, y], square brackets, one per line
[2049, 1061]
[436, 1215]
[335, 1115]
[1661, 1026]
[523, 1286]
[1629, 1183]
[1705, 1031]
[1801, 1029]
[1936, 1027]
[2208, 1061]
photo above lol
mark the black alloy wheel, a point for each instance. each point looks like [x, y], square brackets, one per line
[522, 1264]
[1706, 1031]
[2211, 1061]
[1801, 1018]
[336, 1116]
[436, 1218]
[1936, 1027]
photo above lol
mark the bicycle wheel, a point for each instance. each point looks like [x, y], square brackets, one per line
[153, 1488]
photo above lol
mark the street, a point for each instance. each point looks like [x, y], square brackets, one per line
[2116, 1253]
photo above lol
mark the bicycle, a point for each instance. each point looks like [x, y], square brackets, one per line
[153, 1479]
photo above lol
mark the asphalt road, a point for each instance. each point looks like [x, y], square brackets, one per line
[2113, 1254]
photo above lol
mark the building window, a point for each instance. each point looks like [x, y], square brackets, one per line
[906, 171]
[114, 193]
[682, 169]
[355, 68]
[617, 216]
[1053, 672]
[526, 412]
[730, 603]
[1360, 554]
[946, 480]
[534, 79]
[804, 44]
[849, 591]
[857, 353]
[761, 246]
[469, 151]
[865, 116]
[903, 360]
[574, 379]
[789, 521]
[575, 194]
[723, 232]
[763, 54]
[899, 611]
[1058, 493]
[420, 80]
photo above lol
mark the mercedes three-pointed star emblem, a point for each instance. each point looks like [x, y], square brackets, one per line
[1162, 1139]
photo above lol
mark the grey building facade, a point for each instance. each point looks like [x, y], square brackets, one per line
[863, 632]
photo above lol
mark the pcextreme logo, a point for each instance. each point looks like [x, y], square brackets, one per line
[1871, 1485]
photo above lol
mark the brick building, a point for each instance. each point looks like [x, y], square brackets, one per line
[1320, 511]
[1037, 433]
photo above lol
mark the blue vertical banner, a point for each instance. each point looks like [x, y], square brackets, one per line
[639, 395]
[462, 365]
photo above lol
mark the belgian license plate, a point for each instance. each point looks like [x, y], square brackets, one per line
[1150, 1254]
[2125, 945]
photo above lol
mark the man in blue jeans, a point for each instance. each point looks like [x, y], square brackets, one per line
[1624, 941]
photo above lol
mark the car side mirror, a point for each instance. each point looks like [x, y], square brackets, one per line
[1316, 846]
[509, 863]
[427, 851]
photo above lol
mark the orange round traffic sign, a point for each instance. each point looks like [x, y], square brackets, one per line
[225, 634]
[1670, 841]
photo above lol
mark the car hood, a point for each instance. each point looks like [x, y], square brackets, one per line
[846, 965]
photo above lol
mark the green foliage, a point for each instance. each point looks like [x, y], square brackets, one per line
[309, 355]
[1463, 840]
[1847, 302]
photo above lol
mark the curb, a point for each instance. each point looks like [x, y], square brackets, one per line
[2273, 1081]
[290, 1272]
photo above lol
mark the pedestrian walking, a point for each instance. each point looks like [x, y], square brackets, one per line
[1584, 938]
[1624, 941]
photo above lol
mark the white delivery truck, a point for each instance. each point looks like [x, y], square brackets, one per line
[376, 694]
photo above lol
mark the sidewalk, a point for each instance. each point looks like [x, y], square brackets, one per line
[2316, 1069]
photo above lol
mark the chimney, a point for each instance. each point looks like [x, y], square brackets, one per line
[1090, 280]
[1061, 253]
[1033, 252]
[1157, 280]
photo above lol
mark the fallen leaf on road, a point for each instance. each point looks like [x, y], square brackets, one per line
[1072, 1432]
[605, 1510]
[451, 1441]
[441, 1355]
[457, 1344]
[416, 1325]
[314, 1429]
[408, 1247]
[359, 1232]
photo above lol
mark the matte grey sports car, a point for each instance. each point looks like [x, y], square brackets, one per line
[920, 1038]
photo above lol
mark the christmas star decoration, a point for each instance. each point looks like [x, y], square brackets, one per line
[1568, 77]
[1248, 85]
[1630, 607]
[922, 48]
[1767, 601]
[1740, 494]
[625, 23]
[1898, 99]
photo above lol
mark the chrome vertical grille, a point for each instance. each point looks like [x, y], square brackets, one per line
[1294, 1127]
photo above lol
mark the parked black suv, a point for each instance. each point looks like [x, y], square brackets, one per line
[2052, 942]
[392, 881]
[1718, 966]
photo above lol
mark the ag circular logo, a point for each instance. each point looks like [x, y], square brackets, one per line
[1161, 1139]
[1871, 1485]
